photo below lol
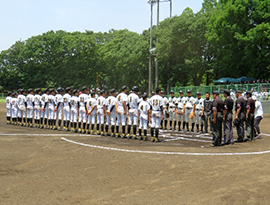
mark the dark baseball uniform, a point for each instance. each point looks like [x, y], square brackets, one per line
[228, 130]
[218, 105]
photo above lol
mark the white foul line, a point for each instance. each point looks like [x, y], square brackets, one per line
[61, 135]
[164, 153]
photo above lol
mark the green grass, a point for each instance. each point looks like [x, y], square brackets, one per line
[2, 100]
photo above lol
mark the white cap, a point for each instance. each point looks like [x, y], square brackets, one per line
[254, 97]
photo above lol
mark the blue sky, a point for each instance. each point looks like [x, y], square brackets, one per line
[21, 19]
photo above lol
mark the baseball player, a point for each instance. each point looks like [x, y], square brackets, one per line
[91, 107]
[111, 112]
[30, 107]
[189, 107]
[172, 110]
[66, 105]
[52, 109]
[140, 97]
[121, 111]
[227, 118]
[8, 107]
[207, 112]
[101, 112]
[132, 103]
[156, 103]
[165, 110]
[14, 108]
[180, 110]
[74, 110]
[59, 104]
[199, 107]
[145, 112]
[250, 116]
[82, 110]
[22, 107]
[37, 107]
[44, 108]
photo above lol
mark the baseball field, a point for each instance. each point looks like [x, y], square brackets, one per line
[54, 167]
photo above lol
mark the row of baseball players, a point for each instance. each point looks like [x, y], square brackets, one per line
[80, 112]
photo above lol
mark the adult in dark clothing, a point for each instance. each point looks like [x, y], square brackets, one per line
[218, 106]
[240, 109]
[207, 112]
[250, 116]
[227, 118]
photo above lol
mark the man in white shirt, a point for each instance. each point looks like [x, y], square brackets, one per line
[8, 107]
[91, 106]
[199, 107]
[180, 108]
[258, 116]
[66, 105]
[111, 113]
[145, 112]
[156, 103]
[133, 102]
[52, 109]
[74, 110]
[172, 110]
[44, 108]
[22, 107]
[59, 104]
[30, 107]
[14, 107]
[121, 111]
[82, 110]
[101, 112]
[37, 107]
[165, 111]
[189, 108]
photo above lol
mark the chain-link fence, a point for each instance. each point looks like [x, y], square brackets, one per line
[260, 88]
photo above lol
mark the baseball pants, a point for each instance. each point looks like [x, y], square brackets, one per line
[133, 117]
[111, 119]
[66, 113]
[188, 111]
[8, 112]
[228, 129]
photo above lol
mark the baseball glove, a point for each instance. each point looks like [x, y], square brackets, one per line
[191, 115]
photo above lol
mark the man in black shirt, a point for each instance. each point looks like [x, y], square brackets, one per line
[250, 115]
[227, 118]
[218, 107]
[207, 112]
[240, 109]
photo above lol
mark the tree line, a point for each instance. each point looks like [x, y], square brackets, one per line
[226, 38]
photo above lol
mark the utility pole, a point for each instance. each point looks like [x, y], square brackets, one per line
[170, 8]
[150, 86]
[156, 84]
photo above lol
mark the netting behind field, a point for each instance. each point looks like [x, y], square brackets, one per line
[256, 87]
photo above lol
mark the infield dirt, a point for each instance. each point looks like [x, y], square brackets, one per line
[44, 169]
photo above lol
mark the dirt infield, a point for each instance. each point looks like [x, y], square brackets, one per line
[48, 167]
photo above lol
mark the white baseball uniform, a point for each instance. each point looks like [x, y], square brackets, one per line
[133, 102]
[92, 102]
[144, 107]
[74, 101]
[29, 104]
[37, 104]
[110, 106]
[121, 117]
[156, 103]
[66, 101]
[8, 105]
[82, 111]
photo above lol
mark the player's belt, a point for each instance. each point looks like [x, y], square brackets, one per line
[189, 108]
[198, 109]
[172, 107]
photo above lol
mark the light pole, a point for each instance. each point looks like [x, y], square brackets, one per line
[152, 2]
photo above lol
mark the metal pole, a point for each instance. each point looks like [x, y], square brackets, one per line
[150, 86]
[156, 84]
[170, 8]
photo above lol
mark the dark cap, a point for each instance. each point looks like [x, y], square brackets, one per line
[14, 94]
[226, 91]
[75, 91]
[84, 88]
[46, 90]
[52, 90]
[215, 92]
[9, 93]
[23, 90]
[153, 93]
[139, 93]
[188, 91]
[198, 93]
[112, 90]
[145, 95]
[172, 91]
[38, 90]
[19, 90]
[249, 92]
[135, 88]
[102, 91]
[68, 88]
[162, 92]
[30, 90]
[181, 92]
[124, 88]
[59, 89]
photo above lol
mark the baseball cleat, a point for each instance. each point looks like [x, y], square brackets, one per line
[145, 138]
[152, 139]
